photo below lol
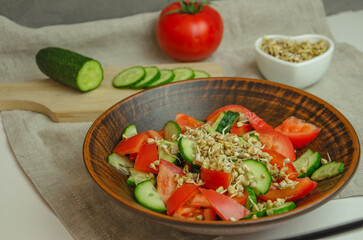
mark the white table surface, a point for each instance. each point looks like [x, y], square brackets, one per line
[25, 215]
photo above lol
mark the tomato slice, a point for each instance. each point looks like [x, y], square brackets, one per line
[148, 154]
[215, 179]
[225, 207]
[166, 185]
[241, 200]
[278, 159]
[239, 131]
[305, 186]
[181, 196]
[184, 120]
[257, 122]
[154, 134]
[188, 212]
[234, 108]
[274, 140]
[199, 200]
[301, 133]
[131, 145]
[209, 214]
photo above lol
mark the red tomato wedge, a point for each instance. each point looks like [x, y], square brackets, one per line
[278, 159]
[239, 131]
[181, 196]
[225, 207]
[241, 200]
[148, 154]
[188, 212]
[305, 186]
[166, 185]
[301, 133]
[257, 122]
[209, 214]
[131, 145]
[184, 120]
[234, 108]
[274, 140]
[199, 200]
[215, 179]
[154, 134]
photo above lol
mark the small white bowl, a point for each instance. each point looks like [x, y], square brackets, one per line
[299, 75]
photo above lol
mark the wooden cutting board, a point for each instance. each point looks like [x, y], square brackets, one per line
[64, 104]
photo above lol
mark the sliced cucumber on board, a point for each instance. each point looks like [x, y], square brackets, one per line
[183, 73]
[70, 68]
[166, 76]
[146, 195]
[327, 171]
[129, 77]
[200, 74]
[151, 75]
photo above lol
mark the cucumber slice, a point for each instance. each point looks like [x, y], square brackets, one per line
[251, 199]
[137, 177]
[216, 123]
[287, 206]
[151, 75]
[166, 76]
[187, 148]
[259, 214]
[129, 131]
[307, 163]
[260, 175]
[70, 68]
[121, 163]
[227, 121]
[327, 171]
[183, 73]
[129, 77]
[163, 154]
[146, 195]
[172, 130]
[200, 74]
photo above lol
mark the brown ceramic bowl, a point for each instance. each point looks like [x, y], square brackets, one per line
[273, 102]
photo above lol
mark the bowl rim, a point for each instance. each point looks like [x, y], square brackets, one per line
[303, 36]
[169, 220]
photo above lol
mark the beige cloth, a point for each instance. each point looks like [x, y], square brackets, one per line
[51, 153]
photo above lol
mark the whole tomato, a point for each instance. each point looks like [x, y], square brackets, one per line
[189, 31]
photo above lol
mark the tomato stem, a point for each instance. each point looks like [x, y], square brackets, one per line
[189, 7]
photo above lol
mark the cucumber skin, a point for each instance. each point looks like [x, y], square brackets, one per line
[62, 65]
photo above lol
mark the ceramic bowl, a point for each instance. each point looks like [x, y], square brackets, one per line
[299, 75]
[271, 101]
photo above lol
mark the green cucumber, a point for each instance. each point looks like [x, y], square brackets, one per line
[129, 131]
[327, 171]
[163, 154]
[227, 121]
[260, 175]
[166, 76]
[172, 130]
[188, 149]
[146, 195]
[121, 163]
[258, 214]
[129, 77]
[151, 75]
[183, 73]
[251, 199]
[285, 207]
[216, 123]
[307, 163]
[137, 177]
[70, 68]
[200, 74]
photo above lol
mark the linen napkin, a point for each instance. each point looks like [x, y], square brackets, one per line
[51, 153]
